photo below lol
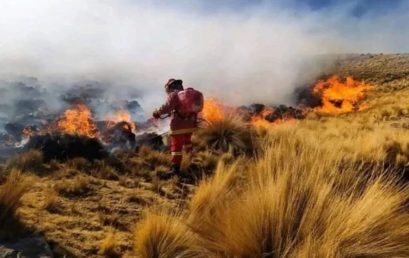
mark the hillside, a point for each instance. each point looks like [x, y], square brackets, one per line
[306, 175]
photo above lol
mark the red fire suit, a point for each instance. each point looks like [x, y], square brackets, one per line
[181, 128]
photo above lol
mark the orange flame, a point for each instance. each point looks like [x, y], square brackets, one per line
[213, 110]
[78, 120]
[340, 97]
[121, 115]
[260, 119]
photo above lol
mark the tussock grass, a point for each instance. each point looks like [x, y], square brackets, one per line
[103, 170]
[51, 201]
[164, 236]
[77, 186]
[146, 161]
[297, 200]
[11, 192]
[213, 192]
[108, 246]
[152, 156]
[79, 163]
[230, 134]
[31, 160]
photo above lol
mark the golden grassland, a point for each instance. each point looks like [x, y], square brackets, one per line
[326, 186]
[312, 207]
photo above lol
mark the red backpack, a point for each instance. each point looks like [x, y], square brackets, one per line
[190, 102]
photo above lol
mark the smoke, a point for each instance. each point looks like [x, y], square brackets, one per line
[239, 52]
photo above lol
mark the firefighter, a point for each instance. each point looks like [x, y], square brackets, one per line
[183, 107]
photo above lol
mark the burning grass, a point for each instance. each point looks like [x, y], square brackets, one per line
[78, 120]
[341, 97]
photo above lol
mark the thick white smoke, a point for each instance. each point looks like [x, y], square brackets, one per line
[252, 55]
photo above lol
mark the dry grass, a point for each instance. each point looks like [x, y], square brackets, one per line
[51, 201]
[213, 192]
[319, 188]
[80, 164]
[146, 162]
[108, 246]
[206, 160]
[294, 202]
[164, 236]
[153, 157]
[31, 160]
[78, 186]
[102, 170]
[11, 192]
[230, 134]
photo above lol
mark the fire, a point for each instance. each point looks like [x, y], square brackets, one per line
[27, 133]
[260, 119]
[213, 110]
[340, 97]
[121, 115]
[78, 120]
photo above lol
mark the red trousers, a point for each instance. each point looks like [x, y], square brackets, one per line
[178, 144]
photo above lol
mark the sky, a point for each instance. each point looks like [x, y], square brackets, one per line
[243, 51]
[357, 8]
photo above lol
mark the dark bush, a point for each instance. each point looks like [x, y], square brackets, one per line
[65, 146]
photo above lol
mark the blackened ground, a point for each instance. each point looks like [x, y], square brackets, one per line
[65, 146]
[285, 112]
[306, 97]
[153, 140]
[278, 112]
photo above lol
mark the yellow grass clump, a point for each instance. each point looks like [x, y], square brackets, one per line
[108, 246]
[11, 192]
[294, 201]
[164, 236]
[31, 160]
[77, 186]
[230, 134]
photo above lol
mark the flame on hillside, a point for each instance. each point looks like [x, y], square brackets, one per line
[269, 117]
[334, 96]
[121, 115]
[340, 97]
[78, 120]
[260, 119]
[213, 110]
[337, 96]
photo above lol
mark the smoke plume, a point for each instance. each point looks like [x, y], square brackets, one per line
[236, 51]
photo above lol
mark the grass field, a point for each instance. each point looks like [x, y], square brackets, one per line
[324, 186]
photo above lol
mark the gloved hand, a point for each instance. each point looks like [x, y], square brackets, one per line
[156, 114]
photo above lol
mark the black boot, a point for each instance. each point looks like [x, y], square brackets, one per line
[173, 171]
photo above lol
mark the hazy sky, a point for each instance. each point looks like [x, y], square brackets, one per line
[242, 50]
[356, 8]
